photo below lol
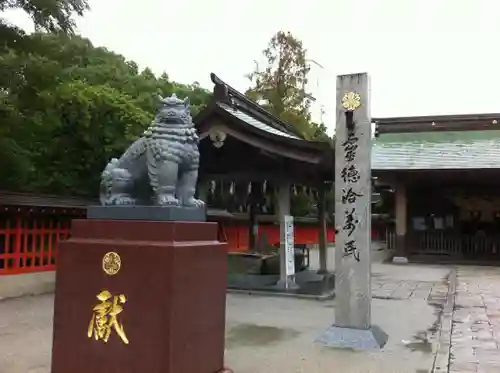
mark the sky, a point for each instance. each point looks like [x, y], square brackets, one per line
[423, 57]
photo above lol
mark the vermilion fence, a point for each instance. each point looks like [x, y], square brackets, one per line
[29, 244]
[236, 234]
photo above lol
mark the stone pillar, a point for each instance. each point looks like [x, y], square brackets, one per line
[283, 197]
[401, 225]
[323, 234]
[353, 191]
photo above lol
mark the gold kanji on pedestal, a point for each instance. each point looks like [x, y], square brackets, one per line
[105, 317]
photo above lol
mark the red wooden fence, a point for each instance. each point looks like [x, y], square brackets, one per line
[29, 243]
[236, 234]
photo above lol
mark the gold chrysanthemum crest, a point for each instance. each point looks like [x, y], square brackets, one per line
[351, 101]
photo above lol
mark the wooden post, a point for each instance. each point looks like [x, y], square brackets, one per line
[401, 225]
[353, 191]
[254, 197]
[253, 226]
[323, 235]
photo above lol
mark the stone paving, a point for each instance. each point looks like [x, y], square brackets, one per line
[475, 336]
[426, 290]
[271, 334]
[394, 282]
[266, 335]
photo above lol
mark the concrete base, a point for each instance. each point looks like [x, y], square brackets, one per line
[307, 284]
[355, 339]
[288, 284]
[152, 213]
[400, 260]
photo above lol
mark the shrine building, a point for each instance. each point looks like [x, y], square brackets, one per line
[445, 175]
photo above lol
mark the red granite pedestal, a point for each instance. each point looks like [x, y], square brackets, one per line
[167, 284]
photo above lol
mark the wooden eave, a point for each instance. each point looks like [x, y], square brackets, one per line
[223, 92]
[462, 122]
[312, 152]
[439, 178]
[53, 204]
[30, 203]
[8, 198]
[234, 114]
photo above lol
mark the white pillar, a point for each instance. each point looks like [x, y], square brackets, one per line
[283, 196]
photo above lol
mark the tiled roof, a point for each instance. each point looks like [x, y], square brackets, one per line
[224, 93]
[438, 150]
[255, 122]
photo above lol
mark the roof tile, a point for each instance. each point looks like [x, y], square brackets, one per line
[439, 150]
[254, 122]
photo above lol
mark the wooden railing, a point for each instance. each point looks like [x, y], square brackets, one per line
[450, 243]
[29, 244]
[236, 235]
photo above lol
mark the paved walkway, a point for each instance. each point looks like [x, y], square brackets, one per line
[475, 337]
[407, 282]
[275, 334]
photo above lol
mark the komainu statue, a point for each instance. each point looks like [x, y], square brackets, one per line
[161, 167]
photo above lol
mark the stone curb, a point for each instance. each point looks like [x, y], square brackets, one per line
[442, 358]
[322, 297]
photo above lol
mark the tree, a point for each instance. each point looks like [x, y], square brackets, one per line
[318, 132]
[67, 107]
[51, 15]
[281, 86]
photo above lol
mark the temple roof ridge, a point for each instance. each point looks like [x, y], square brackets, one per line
[223, 92]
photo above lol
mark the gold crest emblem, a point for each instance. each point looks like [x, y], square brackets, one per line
[111, 263]
[351, 101]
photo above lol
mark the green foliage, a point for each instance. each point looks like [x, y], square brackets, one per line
[281, 86]
[318, 133]
[51, 15]
[301, 204]
[67, 107]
